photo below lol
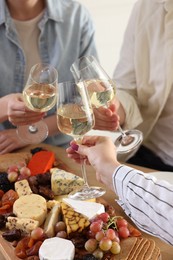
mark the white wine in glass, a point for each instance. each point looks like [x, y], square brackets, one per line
[39, 95]
[102, 91]
[75, 118]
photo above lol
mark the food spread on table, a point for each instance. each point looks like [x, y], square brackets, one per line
[41, 222]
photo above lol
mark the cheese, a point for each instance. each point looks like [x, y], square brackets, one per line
[56, 249]
[63, 182]
[24, 224]
[88, 209]
[31, 206]
[22, 188]
[51, 219]
[74, 221]
[52, 203]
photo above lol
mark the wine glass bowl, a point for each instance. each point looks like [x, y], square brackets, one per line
[75, 118]
[39, 95]
[102, 91]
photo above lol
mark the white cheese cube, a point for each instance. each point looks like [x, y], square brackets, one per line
[31, 206]
[63, 182]
[24, 224]
[22, 188]
[57, 249]
[88, 209]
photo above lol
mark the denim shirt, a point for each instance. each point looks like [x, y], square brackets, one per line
[66, 33]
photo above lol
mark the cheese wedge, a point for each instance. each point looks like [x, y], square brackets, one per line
[57, 249]
[22, 188]
[88, 209]
[74, 221]
[63, 182]
[31, 206]
[24, 224]
[51, 219]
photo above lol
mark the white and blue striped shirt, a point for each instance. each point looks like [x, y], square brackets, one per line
[146, 200]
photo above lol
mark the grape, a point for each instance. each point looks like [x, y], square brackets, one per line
[96, 226]
[105, 244]
[98, 253]
[60, 226]
[12, 176]
[99, 235]
[37, 233]
[91, 245]
[115, 248]
[110, 233]
[62, 234]
[104, 217]
[123, 232]
[12, 168]
[121, 222]
[25, 171]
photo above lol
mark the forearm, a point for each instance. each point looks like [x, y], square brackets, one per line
[51, 122]
[146, 201]
[4, 108]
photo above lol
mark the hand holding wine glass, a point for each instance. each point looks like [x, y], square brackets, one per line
[39, 95]
[102, 91]
[75, 118]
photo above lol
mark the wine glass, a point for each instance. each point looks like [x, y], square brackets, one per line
[102, 91]
[75, 118]
[39, 95]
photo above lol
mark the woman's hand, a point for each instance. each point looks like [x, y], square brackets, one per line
[19, 114]
[100, 152]
[10, 141]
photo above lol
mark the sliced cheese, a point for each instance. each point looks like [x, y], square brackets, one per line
[88, 209]
[63, 182]
[22, 188]
[56, 249]
[74, 221]
[52, 218]
[24, 224]
[31, 206]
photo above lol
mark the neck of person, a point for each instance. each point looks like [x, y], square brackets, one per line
[25, 10]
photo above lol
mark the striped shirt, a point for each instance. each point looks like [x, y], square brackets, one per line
[146, 200]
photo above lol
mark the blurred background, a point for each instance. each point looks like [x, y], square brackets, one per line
[110, 18]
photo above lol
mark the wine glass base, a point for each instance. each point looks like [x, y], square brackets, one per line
[137, 138]
[86, 193]
[33, 134]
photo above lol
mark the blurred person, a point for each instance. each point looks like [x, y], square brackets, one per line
[144, 81]
[146, 200]
[32, 31]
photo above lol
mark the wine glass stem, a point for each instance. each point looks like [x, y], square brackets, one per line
[33, 129]
[83, 169]
[121, 131]
[83, 165]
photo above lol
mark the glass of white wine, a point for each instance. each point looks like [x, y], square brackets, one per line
[102, 91]
[39, 95]
[75, 118]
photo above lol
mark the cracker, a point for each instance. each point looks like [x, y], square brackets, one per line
[155, 254]
[150, 250]
[135, 248]
[126, 247]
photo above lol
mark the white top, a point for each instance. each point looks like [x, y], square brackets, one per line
[146, 200]
[144, 74]
[28, 35]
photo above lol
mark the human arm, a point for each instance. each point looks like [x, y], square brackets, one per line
[146, 200]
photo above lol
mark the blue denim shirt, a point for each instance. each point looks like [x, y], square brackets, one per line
[66, 33]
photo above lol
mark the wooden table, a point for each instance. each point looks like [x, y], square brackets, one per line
[6, 253]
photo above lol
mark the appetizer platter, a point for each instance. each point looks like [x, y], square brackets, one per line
[39, 221]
